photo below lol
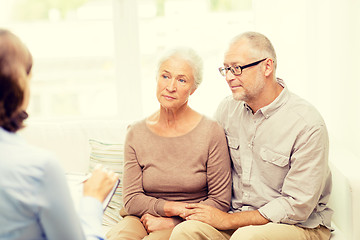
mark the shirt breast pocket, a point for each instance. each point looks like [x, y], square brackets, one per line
[274, 167]
[234, 147]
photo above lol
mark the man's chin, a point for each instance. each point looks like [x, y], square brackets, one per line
[238, 96]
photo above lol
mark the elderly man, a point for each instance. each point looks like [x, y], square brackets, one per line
[279, 149]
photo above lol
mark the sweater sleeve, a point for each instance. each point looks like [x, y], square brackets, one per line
[136, 202]
[218, 170]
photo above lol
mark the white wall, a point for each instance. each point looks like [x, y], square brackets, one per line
[318, 47]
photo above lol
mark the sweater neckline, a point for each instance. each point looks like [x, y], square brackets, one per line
[180, 136]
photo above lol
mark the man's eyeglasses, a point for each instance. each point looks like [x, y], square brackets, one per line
[237, 69]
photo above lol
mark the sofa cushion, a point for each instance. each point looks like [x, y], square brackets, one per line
[110, 155]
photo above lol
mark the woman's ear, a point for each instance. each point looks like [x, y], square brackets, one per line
[193, 90]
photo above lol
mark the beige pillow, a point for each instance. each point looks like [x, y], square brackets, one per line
[110, 155]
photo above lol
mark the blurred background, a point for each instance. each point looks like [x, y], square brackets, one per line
[97, 58]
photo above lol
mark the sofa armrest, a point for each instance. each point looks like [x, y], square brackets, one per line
[345, 197]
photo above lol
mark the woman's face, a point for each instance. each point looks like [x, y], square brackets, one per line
[175, 83]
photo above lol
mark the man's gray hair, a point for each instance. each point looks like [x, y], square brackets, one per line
[259, 43]
[189, 55]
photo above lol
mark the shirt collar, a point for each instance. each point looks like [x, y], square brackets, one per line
[8, 136]
[280, 100]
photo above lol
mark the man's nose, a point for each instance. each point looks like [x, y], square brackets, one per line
[229, 76]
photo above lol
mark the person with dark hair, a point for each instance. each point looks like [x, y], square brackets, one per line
[279, 149]
[15, 67]
[35, 201]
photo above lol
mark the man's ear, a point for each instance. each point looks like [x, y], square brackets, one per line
[269, 67]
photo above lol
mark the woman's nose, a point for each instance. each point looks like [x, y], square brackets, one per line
[171, 85]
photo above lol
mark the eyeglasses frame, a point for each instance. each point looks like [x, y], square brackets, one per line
[231, 68]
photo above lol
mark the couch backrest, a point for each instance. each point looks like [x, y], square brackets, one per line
[69, 139]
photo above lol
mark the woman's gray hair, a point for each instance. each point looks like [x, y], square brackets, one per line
[189, 55]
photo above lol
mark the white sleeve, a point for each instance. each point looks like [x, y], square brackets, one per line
[57, 214]
[91, 212]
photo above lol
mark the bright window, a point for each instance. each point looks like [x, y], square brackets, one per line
[96, 58]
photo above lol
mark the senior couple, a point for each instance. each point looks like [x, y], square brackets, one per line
[180, 182]
[260, 171]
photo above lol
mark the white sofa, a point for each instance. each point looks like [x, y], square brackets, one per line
[69, 140]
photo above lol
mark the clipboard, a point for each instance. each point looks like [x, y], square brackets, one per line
[76, 183]
[110, 195]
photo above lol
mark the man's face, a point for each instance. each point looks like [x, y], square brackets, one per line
[249, 85]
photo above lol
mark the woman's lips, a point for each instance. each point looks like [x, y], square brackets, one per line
[168, 97]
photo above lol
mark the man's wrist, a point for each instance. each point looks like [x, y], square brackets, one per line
[230, 221]
[245, 218]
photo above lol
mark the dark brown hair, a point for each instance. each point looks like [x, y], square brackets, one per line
[15, 67]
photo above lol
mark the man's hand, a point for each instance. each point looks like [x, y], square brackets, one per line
[222, 220]
[152, 223]
[207, 214]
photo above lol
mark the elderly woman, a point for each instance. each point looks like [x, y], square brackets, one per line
[173, 157]
[35, 202]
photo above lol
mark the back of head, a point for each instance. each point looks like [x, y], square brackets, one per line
[15, 66]
[191, 56]
[260, 45]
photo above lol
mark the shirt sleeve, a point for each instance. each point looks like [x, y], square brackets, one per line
[218, 170]
[91, 213]
[308, 165]
[57, 214]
